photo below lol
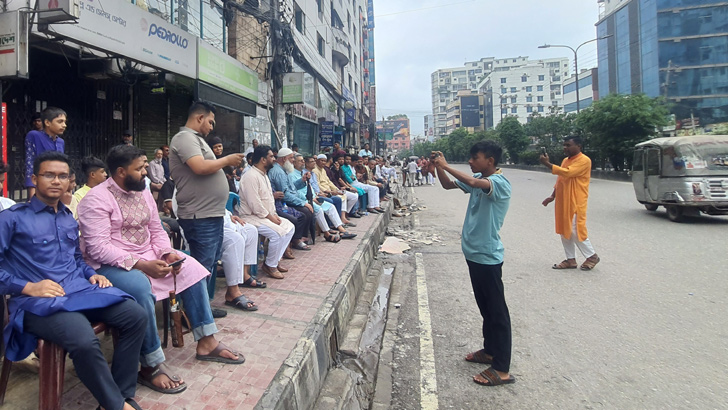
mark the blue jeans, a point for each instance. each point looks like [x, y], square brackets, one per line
[194, 298]
[334, 200]
[205, 238]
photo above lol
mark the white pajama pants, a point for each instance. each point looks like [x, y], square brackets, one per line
[276, 244]
[570, 245]
[333, 216]
[372, 193]
[239, 248]
[351, 200]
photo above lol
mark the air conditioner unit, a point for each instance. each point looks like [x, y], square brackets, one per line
[55, 11]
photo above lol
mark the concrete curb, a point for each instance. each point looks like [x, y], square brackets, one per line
[596, 173]
[300, 378]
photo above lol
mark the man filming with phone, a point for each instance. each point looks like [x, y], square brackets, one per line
[123, 239]
[490, 194]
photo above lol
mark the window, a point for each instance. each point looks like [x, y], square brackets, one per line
[504, 90]
[321, 45]
[529, 109]
[300, 20]
[539, 98]
[348, 21]
[503, 80]
[504, 100]
[529, 99]
[540, 109]
[320, 5]
[504, 111]
[529, 88]
[541, 77]
[513, 100]
[514, 89]
[351, 83]
[514, 110]
[539, 88]
[524, 79]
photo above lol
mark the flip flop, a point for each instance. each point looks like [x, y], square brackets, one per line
[479, 357]
[347, 235]
[563, 265]
[214, 356]
[249, 284]
[160, 369]
[241, 302]
[300, 246]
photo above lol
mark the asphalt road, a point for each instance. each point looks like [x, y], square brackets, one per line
[647, 329]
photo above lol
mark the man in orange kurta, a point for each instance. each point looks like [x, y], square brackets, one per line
[571, 194]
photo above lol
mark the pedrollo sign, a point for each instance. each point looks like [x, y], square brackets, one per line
[137, 34]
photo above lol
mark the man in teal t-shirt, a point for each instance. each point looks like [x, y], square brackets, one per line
[490, 194]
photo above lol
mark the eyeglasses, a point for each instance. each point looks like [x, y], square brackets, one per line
[50, 177]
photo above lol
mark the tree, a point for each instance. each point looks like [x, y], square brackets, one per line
[614, 124]
[397, 117]
[512, 136]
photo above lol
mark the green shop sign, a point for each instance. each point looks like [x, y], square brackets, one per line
[221, 70]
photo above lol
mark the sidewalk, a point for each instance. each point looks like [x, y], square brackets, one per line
[289, 310]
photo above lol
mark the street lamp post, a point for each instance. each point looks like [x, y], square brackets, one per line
[576, 62]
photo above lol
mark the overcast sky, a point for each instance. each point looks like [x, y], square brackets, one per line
[413, 38]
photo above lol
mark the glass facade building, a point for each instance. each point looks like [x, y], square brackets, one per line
[674, 48]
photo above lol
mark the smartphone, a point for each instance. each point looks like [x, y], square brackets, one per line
[543, 150]
[176, 263]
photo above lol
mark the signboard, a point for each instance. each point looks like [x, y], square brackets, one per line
[350, 115]
[13, 45]
[349, 96]
[370, 14]
[125, 29]
[292, 88]
[305, 112]
[470, 111]
[327, 134]
[219, 69]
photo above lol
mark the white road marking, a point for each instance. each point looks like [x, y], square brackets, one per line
[428, 375]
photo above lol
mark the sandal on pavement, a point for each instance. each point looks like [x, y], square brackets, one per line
[350, 225]
[347, 235]
[130, 402]
[333, 238]
[242, 303]
[159, 370]
[281, 269]
[493, 379]
[214, 356]
[564, 265]
[300, 246]
[249, 284]
[590, 262]
[479, 357]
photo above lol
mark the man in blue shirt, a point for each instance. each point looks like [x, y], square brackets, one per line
[55, 295]
[490, 194]
[280, 182]
[365, 152]
[47, 139]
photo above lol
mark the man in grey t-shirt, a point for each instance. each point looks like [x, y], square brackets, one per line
[202, 189]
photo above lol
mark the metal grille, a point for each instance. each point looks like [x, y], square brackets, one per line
[715, 186]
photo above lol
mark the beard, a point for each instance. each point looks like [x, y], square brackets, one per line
[288, 167]
[134, 185]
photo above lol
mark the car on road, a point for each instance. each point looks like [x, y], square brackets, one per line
[686, 175]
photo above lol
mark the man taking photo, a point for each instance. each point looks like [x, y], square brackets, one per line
[490, 194]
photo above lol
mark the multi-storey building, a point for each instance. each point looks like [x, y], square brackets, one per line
[674, 48]
[588, 91]
[467, 111]
[446, 83]
[395, 133]
[430, 127]
[523, 88]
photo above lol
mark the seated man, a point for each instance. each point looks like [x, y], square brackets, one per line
[239, 253]
[54, 295]
[350, 177]
[94, 170]
[321, 209]
[348, 199]
[336, 175]
[123, 240]
[278, 177]
[257, 207]
[376, 181]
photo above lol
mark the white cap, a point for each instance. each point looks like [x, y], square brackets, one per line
[321, 156]
[284, 152]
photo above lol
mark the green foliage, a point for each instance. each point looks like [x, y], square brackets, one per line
[513, 137]
[613, 125]
[397, 117]
[529, 157]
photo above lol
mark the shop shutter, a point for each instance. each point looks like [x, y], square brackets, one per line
[151, 124]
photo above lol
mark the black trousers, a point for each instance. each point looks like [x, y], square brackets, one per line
[73, 332]
[488, 289]
[299, 223]
[309, 219]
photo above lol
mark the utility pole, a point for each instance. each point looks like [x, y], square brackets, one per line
[666, 85]
[279, 110]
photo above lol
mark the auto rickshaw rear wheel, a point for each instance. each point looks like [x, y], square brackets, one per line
[651, 207]
[674, 213]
